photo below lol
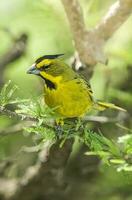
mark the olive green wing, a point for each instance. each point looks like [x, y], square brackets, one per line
[87, 85]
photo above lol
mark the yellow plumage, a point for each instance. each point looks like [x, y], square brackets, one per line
[65, 90]
[70, 98]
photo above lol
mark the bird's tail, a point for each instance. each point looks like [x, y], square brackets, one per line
[103, 105]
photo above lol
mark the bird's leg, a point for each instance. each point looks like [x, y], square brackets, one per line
[59, 127]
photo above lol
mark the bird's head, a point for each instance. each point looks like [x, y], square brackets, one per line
[43, 64]
[49, 68]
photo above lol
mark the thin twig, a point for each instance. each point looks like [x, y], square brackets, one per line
[100, 119]
[13, 114]
[22, 117]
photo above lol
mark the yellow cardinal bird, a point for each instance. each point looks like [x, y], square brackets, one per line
[65, 90]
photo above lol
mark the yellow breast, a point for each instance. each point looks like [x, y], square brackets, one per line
[70, 99]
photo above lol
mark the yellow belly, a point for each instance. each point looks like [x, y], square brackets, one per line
[69, 99]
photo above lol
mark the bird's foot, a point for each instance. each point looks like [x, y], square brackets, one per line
[59, 128]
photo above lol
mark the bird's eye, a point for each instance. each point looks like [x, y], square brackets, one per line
[44, 67]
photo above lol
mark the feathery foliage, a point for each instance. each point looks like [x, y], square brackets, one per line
[117, 153]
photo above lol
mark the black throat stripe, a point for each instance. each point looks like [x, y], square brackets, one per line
[49, 83]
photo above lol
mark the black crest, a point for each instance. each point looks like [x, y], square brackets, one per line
[48, 57]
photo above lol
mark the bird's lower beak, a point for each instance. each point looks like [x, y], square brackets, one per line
[33, 70]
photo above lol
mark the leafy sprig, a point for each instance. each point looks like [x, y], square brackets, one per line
[7, 93]
[117, 153]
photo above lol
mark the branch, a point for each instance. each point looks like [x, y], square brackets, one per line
[22, 117]
[116, 16]
[89, 43]
[16, 51]
[13, 114]
[29, 119]
[100, 119]
[79, 31]
[76, 21]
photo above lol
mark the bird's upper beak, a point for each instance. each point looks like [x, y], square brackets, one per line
[33, 70]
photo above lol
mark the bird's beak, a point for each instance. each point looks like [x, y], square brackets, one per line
[33, 70]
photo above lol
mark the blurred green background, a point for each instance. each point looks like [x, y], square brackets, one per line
[48, 32]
